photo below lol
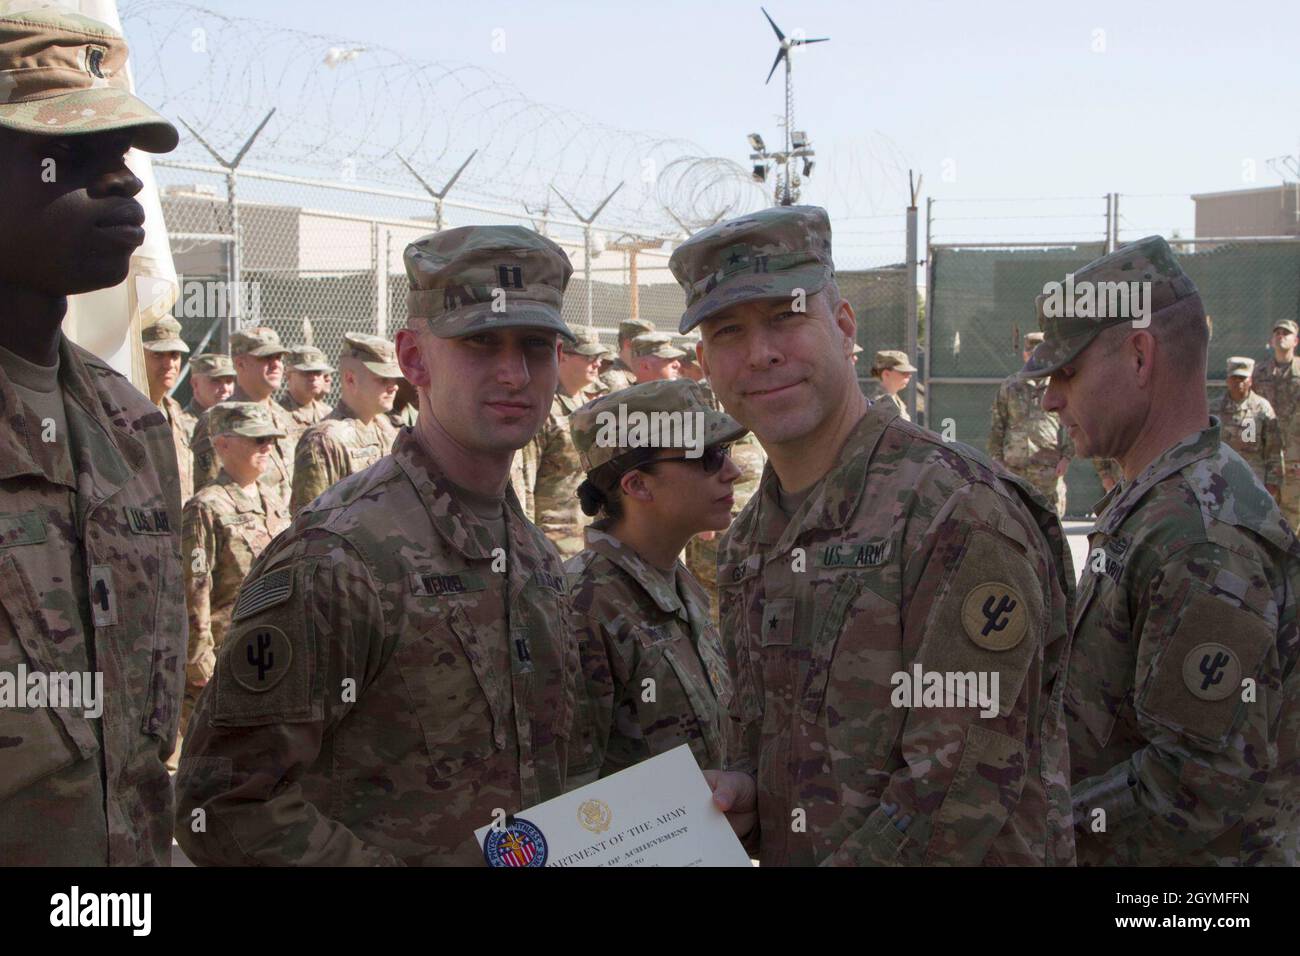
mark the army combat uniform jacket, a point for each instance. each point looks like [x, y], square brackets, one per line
[1028, 439]
[225, 529]
[559, 473]
[1250, 429]
[651, 658]
[337, 447]
[182, 427]
[1187, 608]
[89, 582]
[392, 677]
[910, 557]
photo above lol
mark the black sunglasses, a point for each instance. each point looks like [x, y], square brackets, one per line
[711, 461]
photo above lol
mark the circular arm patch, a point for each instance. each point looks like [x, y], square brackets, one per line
[994, 616]
[260, 658]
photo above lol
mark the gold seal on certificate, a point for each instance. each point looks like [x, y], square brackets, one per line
[595, 815]
[659, 812]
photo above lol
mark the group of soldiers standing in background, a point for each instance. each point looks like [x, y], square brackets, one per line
[1259, 411]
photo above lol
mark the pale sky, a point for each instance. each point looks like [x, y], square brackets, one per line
[995, 99]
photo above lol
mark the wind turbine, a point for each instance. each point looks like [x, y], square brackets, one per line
[800, 144]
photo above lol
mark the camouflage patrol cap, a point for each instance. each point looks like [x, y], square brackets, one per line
[769, 254]
[1146, 267]
[658, 344]
[163, 336]
[686, 343]
[1240, 365]
[606, 429]
[587, 342]
[213, 365]
[248, 419]
[893, 359]
[473, 278]
[64, 74]
[1033, 339]
[377, 354]
[629, 329]
[260, 342]
[308, 358]
[1286, 324]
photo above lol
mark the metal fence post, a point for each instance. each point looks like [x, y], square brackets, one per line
[929, 308]
[909, 294]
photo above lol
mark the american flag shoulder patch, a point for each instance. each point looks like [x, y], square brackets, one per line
[270, 589]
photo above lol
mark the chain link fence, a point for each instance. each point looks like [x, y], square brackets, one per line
[981, 303]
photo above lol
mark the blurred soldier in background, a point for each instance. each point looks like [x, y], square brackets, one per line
[212, 381]
[655, 358]
[308, 384]
[1182, 692]
[227, 524]
[689, 364]
[1028, 440]
[1250, 427]
[258, 357]
[652, 662]
[1278, 382]
[559, 472]
[357, 433]
[1108, 472]
[894, 371]
[620, 374]
[163, 353]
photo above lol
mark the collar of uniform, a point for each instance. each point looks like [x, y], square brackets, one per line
[457, 524]
[239, 395]
[1178, 456]
[243, 501]
[834, 497]
[171, 408]
[650, 580]
[341, 411]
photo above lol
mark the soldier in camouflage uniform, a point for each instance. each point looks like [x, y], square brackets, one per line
[1250, 427]
[90, 510]
[400, 663]
[619, 374]
[1278, 382]
[309, 378]
[892, 372]
[258, 357]
[357, 433]
[1027, 440]
[1182, 691]
[163, 354]
[655, 358]
[873, 554]
[651, 657]
[226, 525]
[212, 381]
[556, 508]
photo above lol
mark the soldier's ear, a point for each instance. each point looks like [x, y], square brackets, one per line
[633, 485]
[410, 359]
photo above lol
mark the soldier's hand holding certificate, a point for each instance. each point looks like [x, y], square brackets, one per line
[657, 813]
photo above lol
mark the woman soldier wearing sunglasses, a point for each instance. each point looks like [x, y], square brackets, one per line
[651, 658]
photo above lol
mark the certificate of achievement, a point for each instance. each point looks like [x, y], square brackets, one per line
[657, 813]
